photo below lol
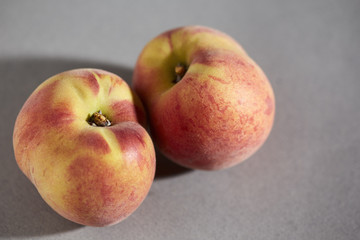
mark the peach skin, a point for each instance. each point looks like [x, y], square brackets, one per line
[210, 105]
[80, 140]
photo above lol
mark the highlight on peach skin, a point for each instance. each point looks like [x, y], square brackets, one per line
[210, 105]
[79, 138]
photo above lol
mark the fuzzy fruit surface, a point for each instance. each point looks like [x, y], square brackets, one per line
[216, 114]
[89, 174]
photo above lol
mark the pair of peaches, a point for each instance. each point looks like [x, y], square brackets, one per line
[81, 140]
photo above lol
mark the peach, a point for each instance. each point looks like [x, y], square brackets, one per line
[210, 105]
[93, 168]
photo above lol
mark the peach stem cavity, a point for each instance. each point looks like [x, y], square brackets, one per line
[97, 119]
[180, 70]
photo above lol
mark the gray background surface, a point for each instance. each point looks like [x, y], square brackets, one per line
[303, 184]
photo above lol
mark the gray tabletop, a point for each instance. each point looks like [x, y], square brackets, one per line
[304, 183]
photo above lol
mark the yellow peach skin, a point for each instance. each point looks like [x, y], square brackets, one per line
[210, 105]
[88, 174]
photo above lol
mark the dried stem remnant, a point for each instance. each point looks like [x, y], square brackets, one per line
[180, 71]
[97, 119]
